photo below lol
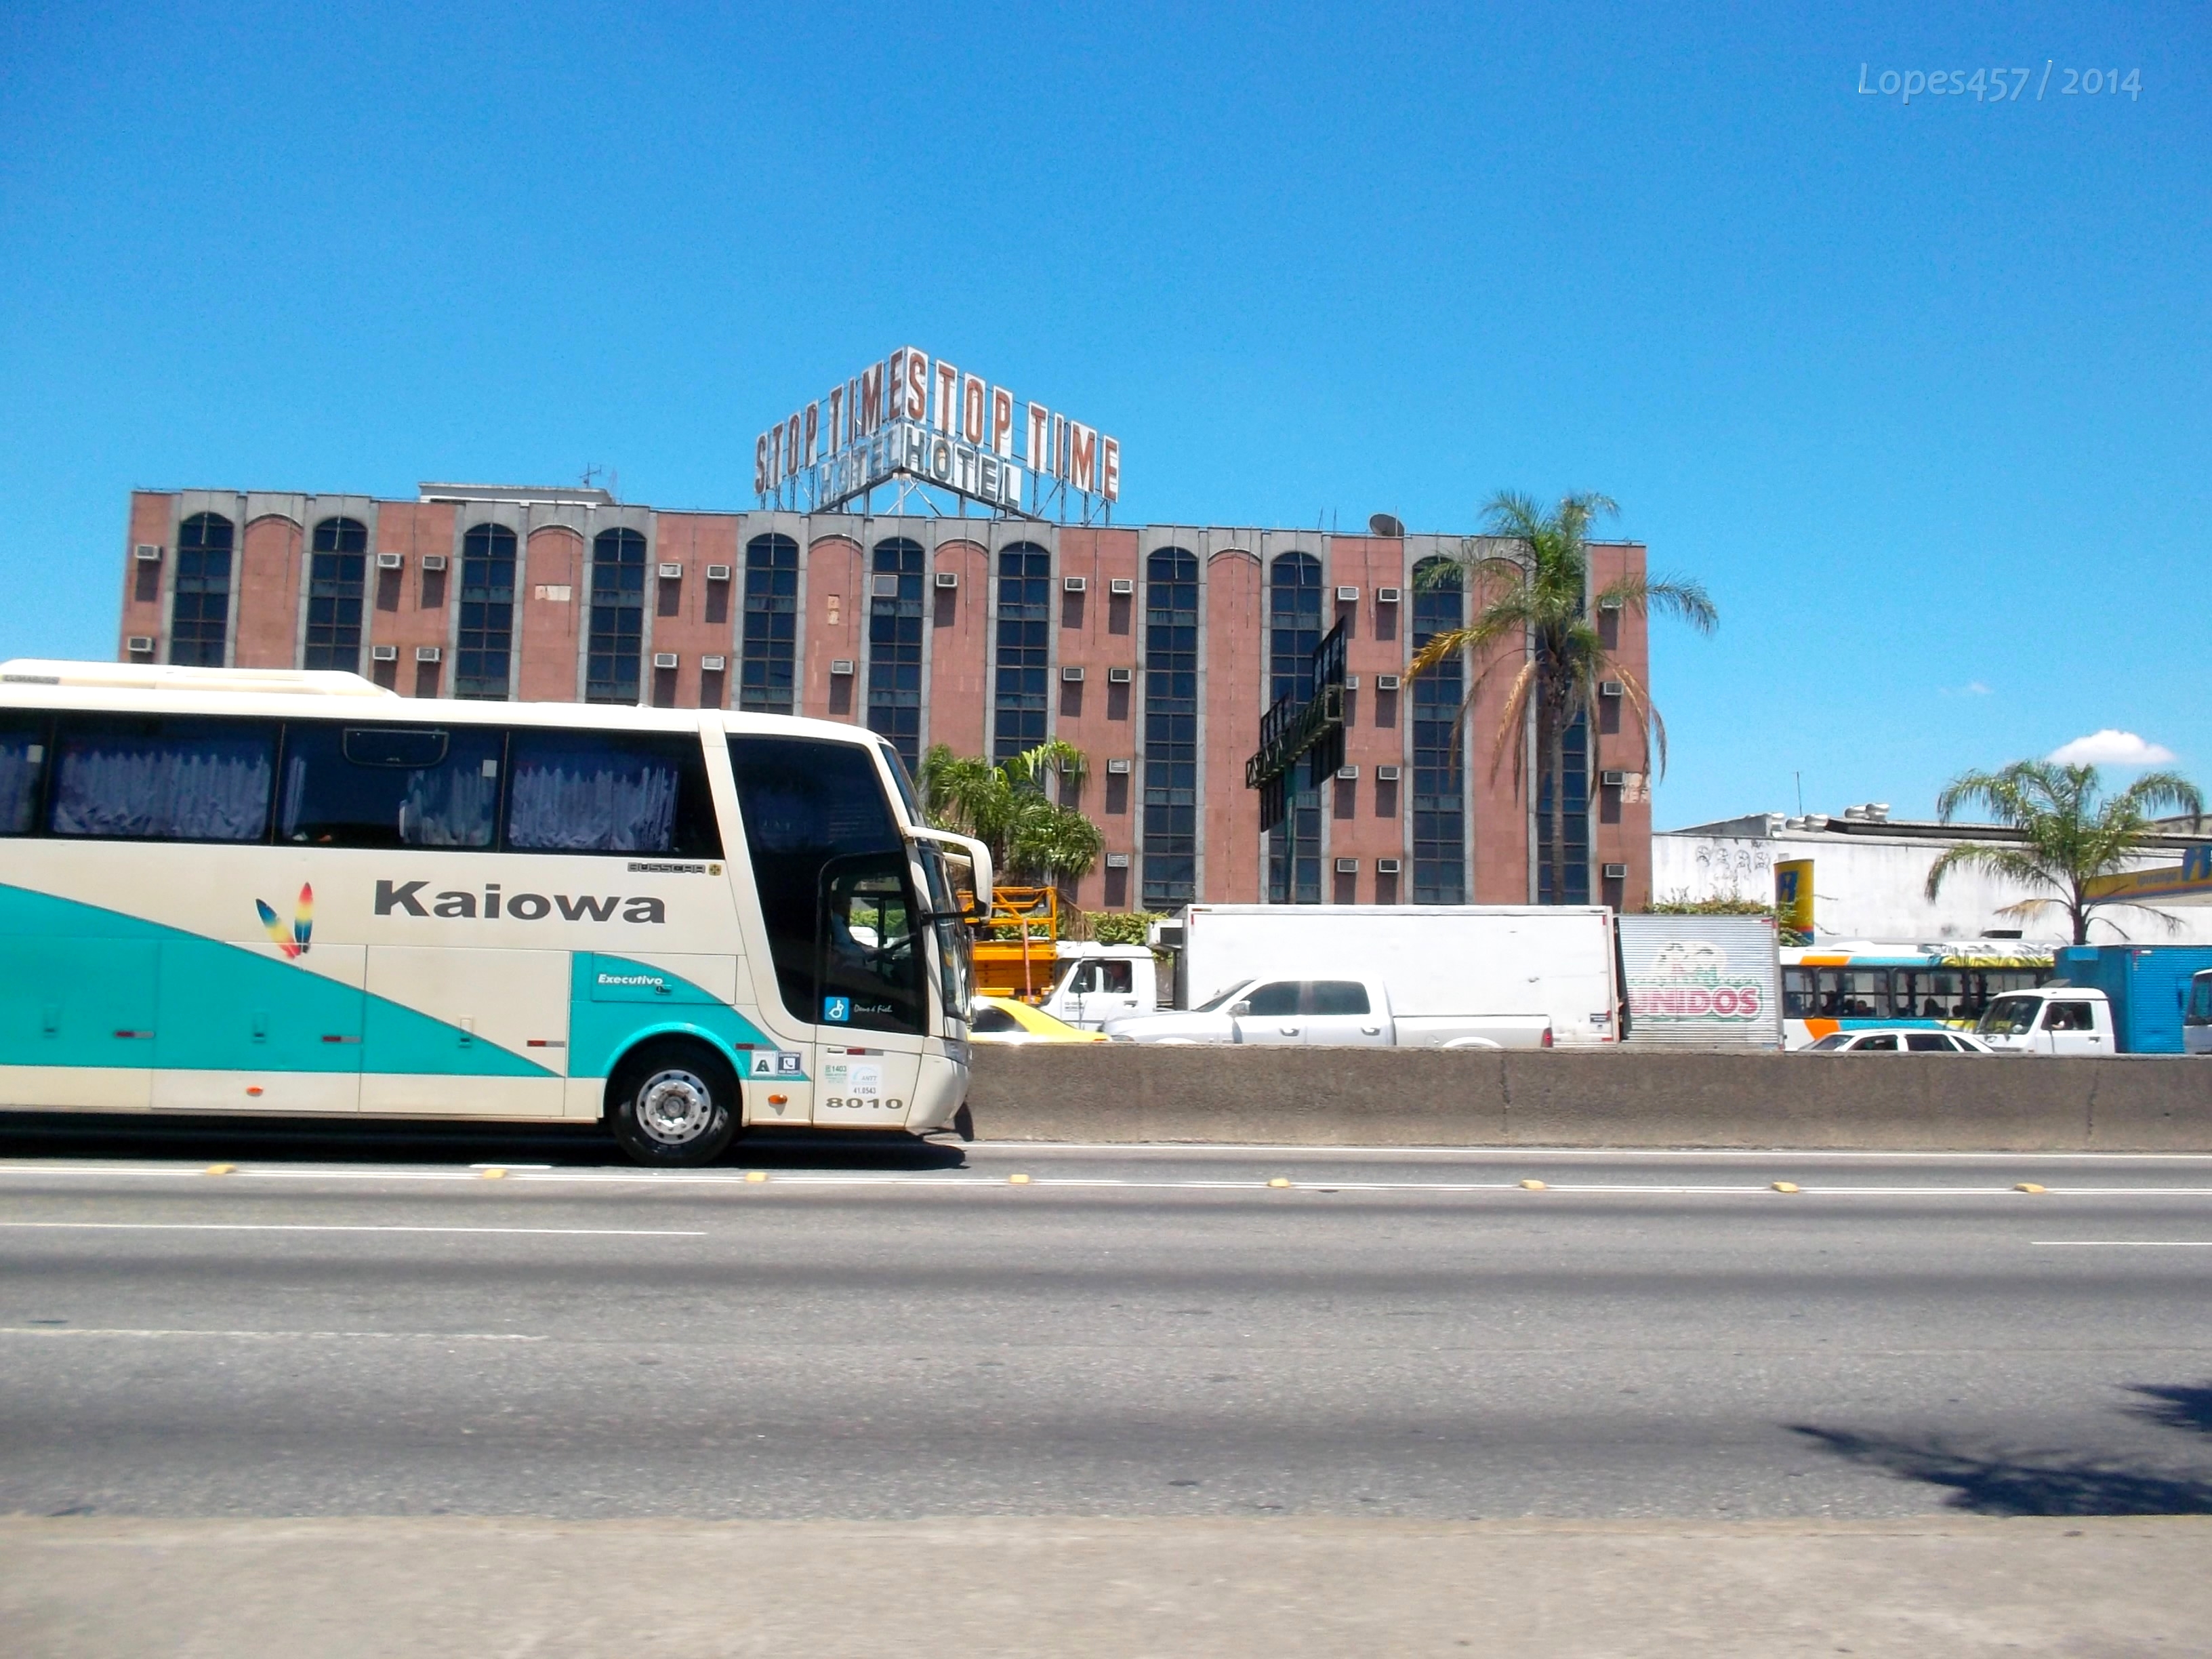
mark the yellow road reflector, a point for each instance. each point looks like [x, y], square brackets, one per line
[493, 1173]
[1533, 1185]
[2030, 1187]
[1018, 1180]
[757, 1175]
[1279, 1180]
[223, 1169]
[1785, 1186]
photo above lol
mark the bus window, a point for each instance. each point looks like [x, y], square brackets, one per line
[870, 966]
[163, 778]
[1828, 1001]
[1865, 993]
[609, 792]
[1797, 993]
[806, 804]
[23, 770]
[1924, 994]
[421, 786]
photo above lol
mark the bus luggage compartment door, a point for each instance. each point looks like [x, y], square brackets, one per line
[238, 1028]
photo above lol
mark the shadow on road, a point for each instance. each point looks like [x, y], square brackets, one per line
[1990, 1479]
[291, 1140]
[2176, 1407]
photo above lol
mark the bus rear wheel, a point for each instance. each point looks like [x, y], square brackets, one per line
[673, 1105]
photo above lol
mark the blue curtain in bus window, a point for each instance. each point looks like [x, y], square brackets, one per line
[588, 791]
[389, 786]
[164, 780]
[22, 763]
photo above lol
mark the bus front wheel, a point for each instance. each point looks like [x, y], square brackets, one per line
[673, 1105]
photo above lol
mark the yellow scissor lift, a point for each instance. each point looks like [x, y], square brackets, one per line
[1017, 949]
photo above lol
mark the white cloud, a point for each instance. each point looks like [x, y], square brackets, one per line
[2111, 748]
[1975, 689]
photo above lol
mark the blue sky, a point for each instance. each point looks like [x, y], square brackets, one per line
[1920, 391]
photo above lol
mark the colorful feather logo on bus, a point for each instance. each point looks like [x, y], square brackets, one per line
[292, 941]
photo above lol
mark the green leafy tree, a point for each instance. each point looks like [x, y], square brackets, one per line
[1033, 838]
[2071, 833]
[1533, 618]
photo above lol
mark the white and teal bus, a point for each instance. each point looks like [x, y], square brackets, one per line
[228, 891]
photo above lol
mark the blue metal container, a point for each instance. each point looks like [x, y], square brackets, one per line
[2146, 984]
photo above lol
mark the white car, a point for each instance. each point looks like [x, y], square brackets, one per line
[1898, 1040]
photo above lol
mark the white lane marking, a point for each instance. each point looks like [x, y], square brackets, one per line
[273, 1336]
[336, 1227]
[2124, 1243]
[1160, 1149]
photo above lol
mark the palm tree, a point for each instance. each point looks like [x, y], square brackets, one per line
[1535, 614]
[1005, 806]
[2069, 837]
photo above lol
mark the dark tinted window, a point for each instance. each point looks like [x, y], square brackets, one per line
[808, 806]
[1797, 993]
[163, 778]
[2069, 1017]
[769, 657]
[22, 769]
[1335, 996]
[1170, 826]
[486, 641]
[895, 645]
[1928, 1043]
[1274, 1000]
[337, 570]
[618, 617]
[609, 792]
[356, 785]
[199, 615]
[1022, 647]
[1886, 1043]
[1439, 777]
[988, 1018]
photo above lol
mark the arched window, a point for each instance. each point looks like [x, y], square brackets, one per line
[1170, 871]
[1293, 630]
[770, 645]
[199, 618]
[1024, 650]
[483, 668]
[895, 645]
[337, 572]
[1439, 781]
[618, 642]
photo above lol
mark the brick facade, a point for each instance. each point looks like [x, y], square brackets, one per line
[694, 608]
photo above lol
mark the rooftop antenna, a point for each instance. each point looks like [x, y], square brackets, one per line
[1799, 776]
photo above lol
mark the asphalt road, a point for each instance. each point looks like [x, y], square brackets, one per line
[874, 1333]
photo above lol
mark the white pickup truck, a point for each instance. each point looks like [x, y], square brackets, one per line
[2053, 1019]
[1314, 1014]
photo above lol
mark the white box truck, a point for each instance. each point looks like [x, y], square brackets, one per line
[1431, 976]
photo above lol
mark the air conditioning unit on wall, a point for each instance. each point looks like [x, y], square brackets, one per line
[1616, 872]
[714, 665]
[1121, 585]
[665, 660]
[142, 644]
[883, 585]
[384, 653]
[1075, 584]
[1386, 774]
[1347, 867]
[434, 561]
[671, 571]
[1071, 674]
[718, 572]
[1386, 596]
[1386, 681]
[1347, 596]
[1386, 866]
[1117, 861]
[948, 579]
[147, 553]
[1117, 766]
[840, 666]
[1120, 676]
[390, 561]
[429, 654]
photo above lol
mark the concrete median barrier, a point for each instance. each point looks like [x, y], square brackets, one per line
[1430, 1097]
